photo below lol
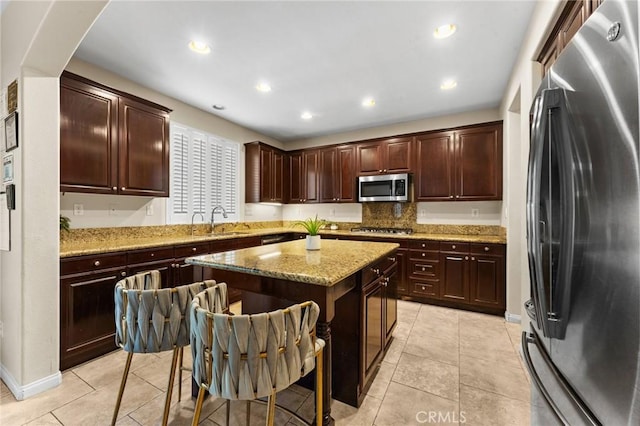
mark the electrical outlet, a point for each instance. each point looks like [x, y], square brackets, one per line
[475, 212]
[113, 210]
[78, 209]
[150, 210]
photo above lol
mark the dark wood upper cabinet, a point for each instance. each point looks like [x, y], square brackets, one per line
[460, 165]
[265, 168]
[304, 176]
[143, 150]
[391, 155]
[337, 175]
[88, 138]
[111, 142]
[434, 171]
[574, 14]
[478, 163]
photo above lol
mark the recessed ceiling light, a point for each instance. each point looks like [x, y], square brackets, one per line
[444, 31]
[368, 102]
[218, 107]
[448, 84]
[199, 47]
[263, 87]
[306, 115]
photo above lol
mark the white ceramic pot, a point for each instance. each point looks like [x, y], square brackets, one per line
[313, 242]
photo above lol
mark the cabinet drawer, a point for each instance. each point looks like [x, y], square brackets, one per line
[422, 254]
[495, 249]
[424, 288]
[424, 245]
[150, 255]
[192, 250]
[454, 246]
[425, 269]
[89, 263]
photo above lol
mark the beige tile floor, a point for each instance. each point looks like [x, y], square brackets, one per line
[455, 366]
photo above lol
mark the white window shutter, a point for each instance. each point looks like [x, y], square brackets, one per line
[204, 174]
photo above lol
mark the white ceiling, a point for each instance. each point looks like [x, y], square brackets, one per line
[324, 57]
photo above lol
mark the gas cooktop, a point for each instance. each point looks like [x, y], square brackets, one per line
[383, 230]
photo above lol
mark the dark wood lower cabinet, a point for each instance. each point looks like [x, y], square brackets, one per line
[87, 327]
[373, 334]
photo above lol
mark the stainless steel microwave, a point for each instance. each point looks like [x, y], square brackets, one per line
[384, 188]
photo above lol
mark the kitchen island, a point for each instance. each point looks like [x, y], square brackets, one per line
[353, 282]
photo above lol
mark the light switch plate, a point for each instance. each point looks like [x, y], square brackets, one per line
[78, 209]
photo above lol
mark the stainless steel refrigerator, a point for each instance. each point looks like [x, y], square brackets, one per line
[583, 228]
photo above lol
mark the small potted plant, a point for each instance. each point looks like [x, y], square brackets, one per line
[65, 223]
[312, 226]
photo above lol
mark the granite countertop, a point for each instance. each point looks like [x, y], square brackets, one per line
[335, 261]
[126, 242]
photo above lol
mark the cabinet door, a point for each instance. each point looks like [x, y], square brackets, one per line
[390, 303]
[574, 20]
[402, 282]
[277, 177]
[487, 284]
[143, 150]
[398, 155]
[328, 175]
[455, 277]
[266, 175]
[373, 333]
[296, 178]
[184, 273]
[311, 169]
[87, 324]
[434, 171]
[88, 138]
[346, 177]
[369, 158]
[478, 163]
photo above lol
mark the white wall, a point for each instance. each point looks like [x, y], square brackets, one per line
[460, 213]
[37, 40]
[523, 83]
[443, 122]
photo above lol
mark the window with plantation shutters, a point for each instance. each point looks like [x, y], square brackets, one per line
[204, 174]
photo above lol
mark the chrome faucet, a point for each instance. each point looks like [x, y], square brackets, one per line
[224, 215]
[192, 217]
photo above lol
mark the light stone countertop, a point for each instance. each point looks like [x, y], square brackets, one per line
[124, 242]
[335, 261]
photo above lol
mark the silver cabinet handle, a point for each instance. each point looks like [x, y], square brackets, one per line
[153, 254]
[115, 188]
[193, 249]
[96, 263]
[457, 196]
[423, 245]
[380, 171]
[384, 170]
[423, 254]
[392, 259]
[453, 247]
[122, 188]
[423, 269]
[466, 258]
[422, 287]
[450, 196]
[486, 248]
[473, 258]
[123, 274]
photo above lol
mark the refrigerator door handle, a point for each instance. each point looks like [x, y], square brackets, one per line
[538, 130]
[526, 341]
[530, 339]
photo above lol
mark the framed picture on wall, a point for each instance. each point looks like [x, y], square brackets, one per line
[11, 132]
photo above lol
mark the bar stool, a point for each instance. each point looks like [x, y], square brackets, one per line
[151, 319]
[246, 357]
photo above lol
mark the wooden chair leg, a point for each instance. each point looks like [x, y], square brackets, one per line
[228, 412]
[198, 408]
[248, 420]
[271, 408]
[127, 366]
[319, 374]
[172, 375]
[180, 359]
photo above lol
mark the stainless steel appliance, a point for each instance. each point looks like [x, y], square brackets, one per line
[393, 187]
[583, 228]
